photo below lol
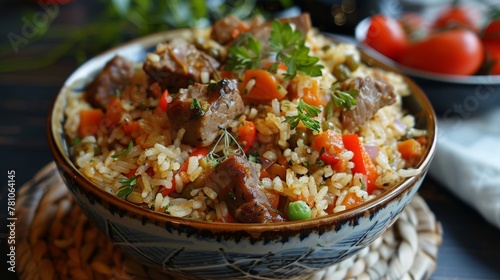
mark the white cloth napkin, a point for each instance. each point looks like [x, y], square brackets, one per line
[467, 161]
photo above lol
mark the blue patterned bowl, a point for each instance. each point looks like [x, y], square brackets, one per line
[201, 250]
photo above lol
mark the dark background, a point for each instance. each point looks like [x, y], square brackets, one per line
[30, 78]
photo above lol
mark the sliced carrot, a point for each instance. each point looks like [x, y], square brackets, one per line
[330, 140]
[90, 120]
[247, 134]
[273, 197]
[277, 170]
[351, 200]
[114, 112]
[130, 126]
[266, 86]
[312, 95]
[361, 159]
[410, 149]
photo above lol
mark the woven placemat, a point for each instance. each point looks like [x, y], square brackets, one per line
[56, 241]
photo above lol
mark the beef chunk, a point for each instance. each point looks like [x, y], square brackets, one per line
[179, 64]
[202, 109]
[373, 95]
[227, 29]
[236, 182]
[114, 77]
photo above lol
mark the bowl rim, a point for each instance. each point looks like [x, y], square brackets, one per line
[56, 143]
[360, 33]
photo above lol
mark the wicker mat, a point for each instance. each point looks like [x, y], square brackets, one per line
[56, 241]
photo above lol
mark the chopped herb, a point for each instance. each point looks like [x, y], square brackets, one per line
[254, 157]
[320, 163]
[127, 187]
[286, 44]
[344, 99]
[245, 54]
[231, 147]
[292, 51]
[305, 114]
[231, 195]
[126, 151]
[76, 141]
[198, 110]
[363, 187]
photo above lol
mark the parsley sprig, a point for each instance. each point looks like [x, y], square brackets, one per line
[341, 99]
[126, 151]
[287, 45]
[291, 49]
[127, 187]
[245, 54]
[305, 114]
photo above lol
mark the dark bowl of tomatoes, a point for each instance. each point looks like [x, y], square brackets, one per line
[457, 65]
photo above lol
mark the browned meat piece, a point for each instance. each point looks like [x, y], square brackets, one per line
[373, 95]
[179, 64]
[114, 77]
[236, 181]
[227, 29]
[202, 109]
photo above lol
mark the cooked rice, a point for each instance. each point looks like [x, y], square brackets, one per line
[159, 149]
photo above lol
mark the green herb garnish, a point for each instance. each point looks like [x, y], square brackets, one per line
[197, 110]
[126, 151]
[127, 187]
[286, 44]
[245, 54]
[305, 114]
[254, 157]
[231, 195]
[291, 50]
[231, 147]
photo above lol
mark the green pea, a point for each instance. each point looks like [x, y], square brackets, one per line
[299, 210]
[352, 61]
[341, 72]
[300, 133]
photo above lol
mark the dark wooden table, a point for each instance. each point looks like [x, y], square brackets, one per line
[470, 248]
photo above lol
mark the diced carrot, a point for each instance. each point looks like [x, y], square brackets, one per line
[410, 149]
[362, 161]
[247, 134]
[330, 140]
[114, 112]
[351, 200]
[264, 174]
[241, 28]
[90, 120]
[312, 95]
[273, 197]
[277, 170]
[282, 160]
[130, 126]
[266, 86]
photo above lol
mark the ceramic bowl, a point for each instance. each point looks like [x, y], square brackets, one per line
[188, 249]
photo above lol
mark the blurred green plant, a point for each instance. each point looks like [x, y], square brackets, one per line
[119, 21]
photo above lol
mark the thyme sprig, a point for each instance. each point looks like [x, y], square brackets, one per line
[231, 147]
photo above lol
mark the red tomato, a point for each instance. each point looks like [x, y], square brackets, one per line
[492, 31]
[386, 36]
[453, 52]
[492, 50]
[456, 16]
[412, 24]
